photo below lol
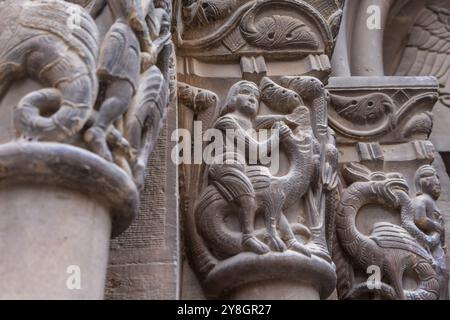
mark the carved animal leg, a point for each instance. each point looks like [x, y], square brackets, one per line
[271, 202]
[118, 97]
[395, 278]
[143, 132]
[247, 210]
[271, 237]
[290, 239]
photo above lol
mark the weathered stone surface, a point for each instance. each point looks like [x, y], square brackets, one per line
[145, 261]
[85, 87]
[91, 95]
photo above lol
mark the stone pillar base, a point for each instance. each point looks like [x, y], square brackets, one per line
[276, 290]
[60, 205]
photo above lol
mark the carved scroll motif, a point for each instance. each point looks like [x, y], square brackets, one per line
[296, 28]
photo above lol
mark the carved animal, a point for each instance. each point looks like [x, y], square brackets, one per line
[365, 109]
[277, 32]
[389, 247]
[203, 12]
[278, 98]
[145, 118]
[212, 208]
[39, 43]
[312, 90]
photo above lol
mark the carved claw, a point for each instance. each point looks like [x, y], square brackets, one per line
[275, 243]
[251, 244]
[95, 138]
[320, 252]
[283, 129]
[120, 145]
[296, 246]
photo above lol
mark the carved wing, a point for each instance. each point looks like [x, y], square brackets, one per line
[390, 236]
[427, 52]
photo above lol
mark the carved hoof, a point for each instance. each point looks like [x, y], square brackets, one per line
[296, 246]
[275, 243]
[251, 244]
[96, 141]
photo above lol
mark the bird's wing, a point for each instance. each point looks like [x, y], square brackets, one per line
[427, 52]
[390, 236]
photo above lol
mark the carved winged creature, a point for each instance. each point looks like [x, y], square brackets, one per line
[427, 52]
[389, 246]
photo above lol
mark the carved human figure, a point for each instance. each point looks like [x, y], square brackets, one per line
[239, 186]
[429, 220]
[238, 113]
[127, 45]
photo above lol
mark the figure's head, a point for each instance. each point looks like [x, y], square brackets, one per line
[427, 182]
[244, 97]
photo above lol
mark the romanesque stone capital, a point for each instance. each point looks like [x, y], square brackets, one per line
[82, 112]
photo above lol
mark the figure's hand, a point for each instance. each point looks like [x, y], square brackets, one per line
[433, 240]
[283, 130]
[149, 58]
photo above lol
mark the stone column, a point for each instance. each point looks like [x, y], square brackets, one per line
[80, 116]
[276, 56]
[388, 188]
[384, 121]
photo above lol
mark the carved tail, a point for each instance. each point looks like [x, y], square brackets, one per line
[209, 215]
[429, 285]
[58, 56]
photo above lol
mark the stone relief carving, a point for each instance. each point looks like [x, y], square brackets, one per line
[108, 96]
[426, 51]
[293, 28]
[395, 109]
[395, 249]
[241, 191]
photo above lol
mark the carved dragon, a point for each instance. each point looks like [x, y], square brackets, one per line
[389, 246]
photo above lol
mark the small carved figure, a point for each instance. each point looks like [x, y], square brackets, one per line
[230, 179]
[235, 185]
[429, 220]
[126, 45]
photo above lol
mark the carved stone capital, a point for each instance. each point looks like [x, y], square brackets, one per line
[249, 229]
[382, 109]
[81, 114]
